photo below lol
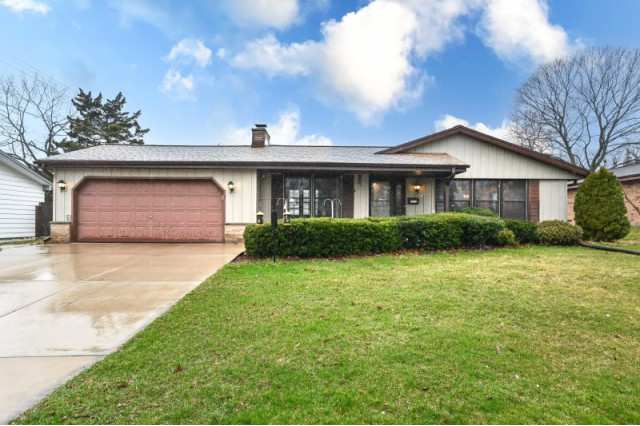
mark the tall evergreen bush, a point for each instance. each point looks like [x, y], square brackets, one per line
[599, 207]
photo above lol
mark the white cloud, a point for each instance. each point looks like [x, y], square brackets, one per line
[178, 86]
[274, 58]
[449, 121]
[222, 53]
[190, 49]
[26, 5]
[520, 31]
[286, 131]
[368, 62]
[278, 14]
[362, 64]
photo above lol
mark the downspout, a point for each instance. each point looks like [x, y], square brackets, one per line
[447, 181]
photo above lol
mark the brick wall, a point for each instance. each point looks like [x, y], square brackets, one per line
[60, 232]
[631, 200]
[233, 233]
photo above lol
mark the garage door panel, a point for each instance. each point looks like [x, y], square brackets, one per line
[150, 210]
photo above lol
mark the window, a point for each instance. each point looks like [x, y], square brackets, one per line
[485, 195]
[507, 198]
[514, 199]
[460, 194]
[326, 200]
[297, 193]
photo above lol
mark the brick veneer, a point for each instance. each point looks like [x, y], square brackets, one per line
[60, 232]
[233, 233]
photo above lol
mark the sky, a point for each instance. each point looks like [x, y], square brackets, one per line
[317, 72]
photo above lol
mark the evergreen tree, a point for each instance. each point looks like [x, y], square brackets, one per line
[600, 209]
[99, 123]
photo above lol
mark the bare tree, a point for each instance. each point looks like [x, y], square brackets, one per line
[33, 114]
[584, 108]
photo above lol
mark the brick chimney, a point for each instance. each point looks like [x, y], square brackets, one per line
[259, 136]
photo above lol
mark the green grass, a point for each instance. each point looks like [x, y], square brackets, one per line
[530, 335]
[24, 241]
[630, 242]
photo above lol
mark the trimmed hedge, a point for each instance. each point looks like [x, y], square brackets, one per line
[325, 237]
[559, 233]
[478, 211]
[525, 232]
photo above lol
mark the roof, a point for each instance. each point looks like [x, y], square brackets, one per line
[629, 172]
[14, 164]
[462, 130]
[269, 157]
[624, 173]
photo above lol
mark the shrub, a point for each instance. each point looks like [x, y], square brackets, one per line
[525, 232]
[506, 237]
[324, 237]
[558, 233]
[478, 211]
[600, 209]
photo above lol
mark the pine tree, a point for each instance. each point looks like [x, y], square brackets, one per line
[600, 209]
[99, 123]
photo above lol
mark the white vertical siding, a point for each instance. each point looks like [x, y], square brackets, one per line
[361, 196]
[488, 161]
[425, 196]
[553, 200]
[19, 195]
[240, 205]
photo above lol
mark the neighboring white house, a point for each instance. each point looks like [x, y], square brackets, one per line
[21, 190]
[209, 193]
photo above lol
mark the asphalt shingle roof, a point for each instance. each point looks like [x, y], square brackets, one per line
[273, 155]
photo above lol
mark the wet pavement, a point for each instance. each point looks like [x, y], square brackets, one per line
[63, 307]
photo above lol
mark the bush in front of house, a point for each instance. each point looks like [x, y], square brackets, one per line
[599, 207]
[559, 233]
[524, 232]
[506, 237]
[323, 237]
[478, 211]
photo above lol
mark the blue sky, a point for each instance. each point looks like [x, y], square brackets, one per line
[378, 72]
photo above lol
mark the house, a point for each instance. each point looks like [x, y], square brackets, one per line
[209, 193]
[21, 190]
[629, 178]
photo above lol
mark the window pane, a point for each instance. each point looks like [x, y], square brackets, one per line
[327, 197]
[485, 194]
[297, 192]
[440, 196]
[460, 194]
[381, 199]
[514, 196]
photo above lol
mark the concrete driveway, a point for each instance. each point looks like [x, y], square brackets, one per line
[64, 307]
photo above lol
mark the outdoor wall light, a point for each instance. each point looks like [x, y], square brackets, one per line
[287, 218]
[417, 187]
[259, 218]
[62, 185]
[232, 186]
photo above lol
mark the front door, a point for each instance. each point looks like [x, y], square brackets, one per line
[386, 197]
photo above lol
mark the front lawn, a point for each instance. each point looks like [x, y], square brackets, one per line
[530, 335]
[630, 242]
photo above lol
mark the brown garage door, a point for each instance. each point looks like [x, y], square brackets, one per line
[149, 210]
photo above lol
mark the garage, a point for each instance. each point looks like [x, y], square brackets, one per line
[149, 210]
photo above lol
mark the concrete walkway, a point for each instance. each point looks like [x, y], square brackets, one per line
[64, 307]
